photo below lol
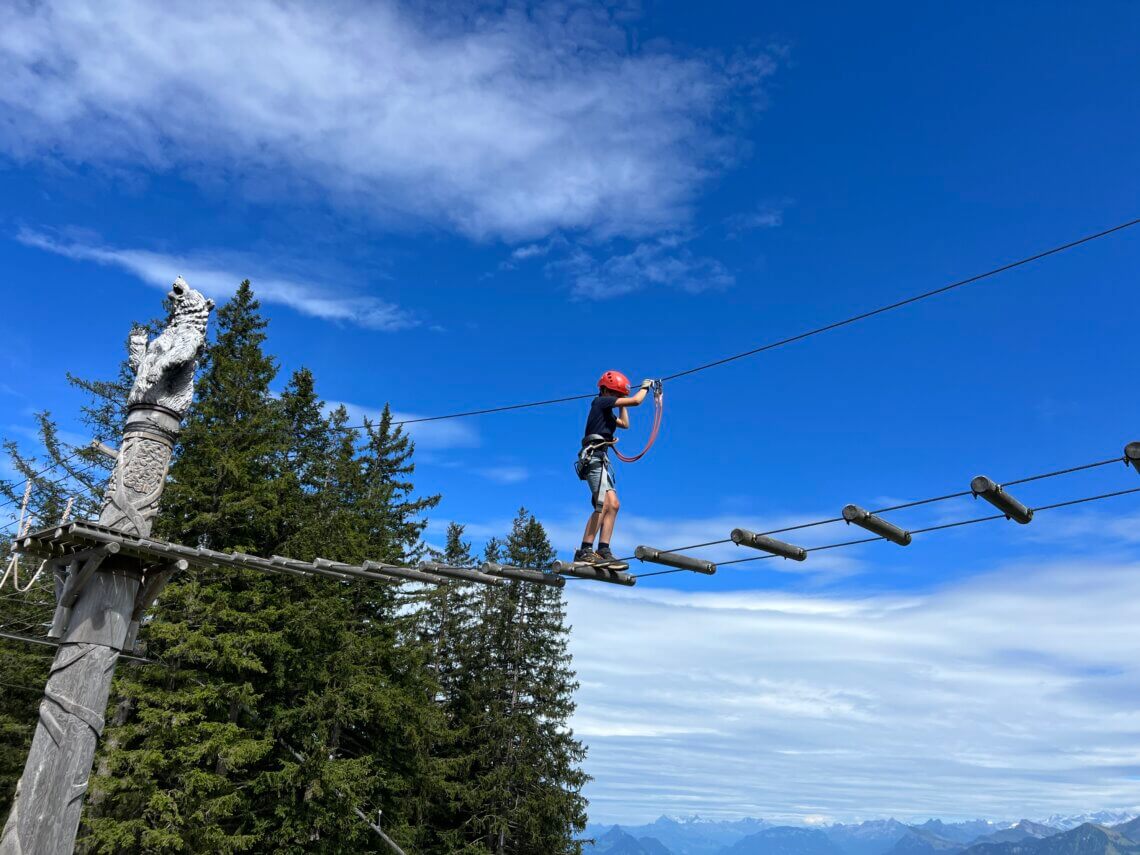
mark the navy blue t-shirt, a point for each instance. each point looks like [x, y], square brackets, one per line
[602, 419]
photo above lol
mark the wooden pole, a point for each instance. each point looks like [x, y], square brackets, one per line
[102, 592]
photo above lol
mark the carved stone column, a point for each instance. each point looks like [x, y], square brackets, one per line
[49, 798]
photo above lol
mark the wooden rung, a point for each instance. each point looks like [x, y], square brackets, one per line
[523, 574]
[597, 574]
[405, 573]
[467, 574]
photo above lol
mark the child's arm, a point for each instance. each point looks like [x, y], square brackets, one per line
[633, 400]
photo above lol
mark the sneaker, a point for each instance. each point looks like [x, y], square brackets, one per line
[585, 556]
[606, 559]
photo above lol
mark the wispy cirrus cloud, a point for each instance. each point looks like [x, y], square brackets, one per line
[218, 274]
[504, 473]
[663, 261]
[768, 215]
[508, 122]
[1006, 695]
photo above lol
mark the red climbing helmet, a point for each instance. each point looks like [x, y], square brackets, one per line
[615, 381]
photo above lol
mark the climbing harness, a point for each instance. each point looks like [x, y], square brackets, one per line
[595, 442]
[590, 445]
[658, 412]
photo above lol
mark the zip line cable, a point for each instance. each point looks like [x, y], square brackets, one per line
[925, 295]
[906, 302]
[959, 495]
[1087, 499]
[932, 528]
[43, 642]
[862, 316]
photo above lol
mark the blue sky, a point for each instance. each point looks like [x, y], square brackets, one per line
[449, 206]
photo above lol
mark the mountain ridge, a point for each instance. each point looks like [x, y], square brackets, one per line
[695, 835]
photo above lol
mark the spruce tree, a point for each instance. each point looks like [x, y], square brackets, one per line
[362, 715]
[281, 702]
[451, 620]
[547, 759]
[525, 794]
[224, 485]
[59, 477]
[278, 703]
[182, 771]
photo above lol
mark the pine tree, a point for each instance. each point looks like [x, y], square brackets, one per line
[391, 513]
[278, 703]
[224, 485]
[281, 701]
[451, 620]
[547, 760]
[526, 781]
[368, 726]
[62, 480]
[182, 771]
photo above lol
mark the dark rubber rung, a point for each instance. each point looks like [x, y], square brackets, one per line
[993, 493]
[673, 559]
[877, 525]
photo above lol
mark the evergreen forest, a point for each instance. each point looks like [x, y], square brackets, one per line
[269, 713]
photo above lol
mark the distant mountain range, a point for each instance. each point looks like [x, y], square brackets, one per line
[1102, 833]
[688, 836]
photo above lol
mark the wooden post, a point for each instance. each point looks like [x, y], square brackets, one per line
[100, 596]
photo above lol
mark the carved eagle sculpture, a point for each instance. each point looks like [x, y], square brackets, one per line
[164, 368]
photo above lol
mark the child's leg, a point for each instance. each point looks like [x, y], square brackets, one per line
[598, 478]
[592, 525]
[609, 515]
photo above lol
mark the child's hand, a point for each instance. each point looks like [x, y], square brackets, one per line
[646, 384]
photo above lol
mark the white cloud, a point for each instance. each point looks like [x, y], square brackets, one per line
[509, 122]
[532, 250]
[1095, 527]
[218, 275]
[428, 436]
[661, 261]
[766, 216]
[1007, 695]
[505, 474]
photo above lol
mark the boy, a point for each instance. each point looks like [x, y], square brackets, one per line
[613, 391]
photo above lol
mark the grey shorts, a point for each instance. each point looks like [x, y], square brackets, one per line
[600, 477]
